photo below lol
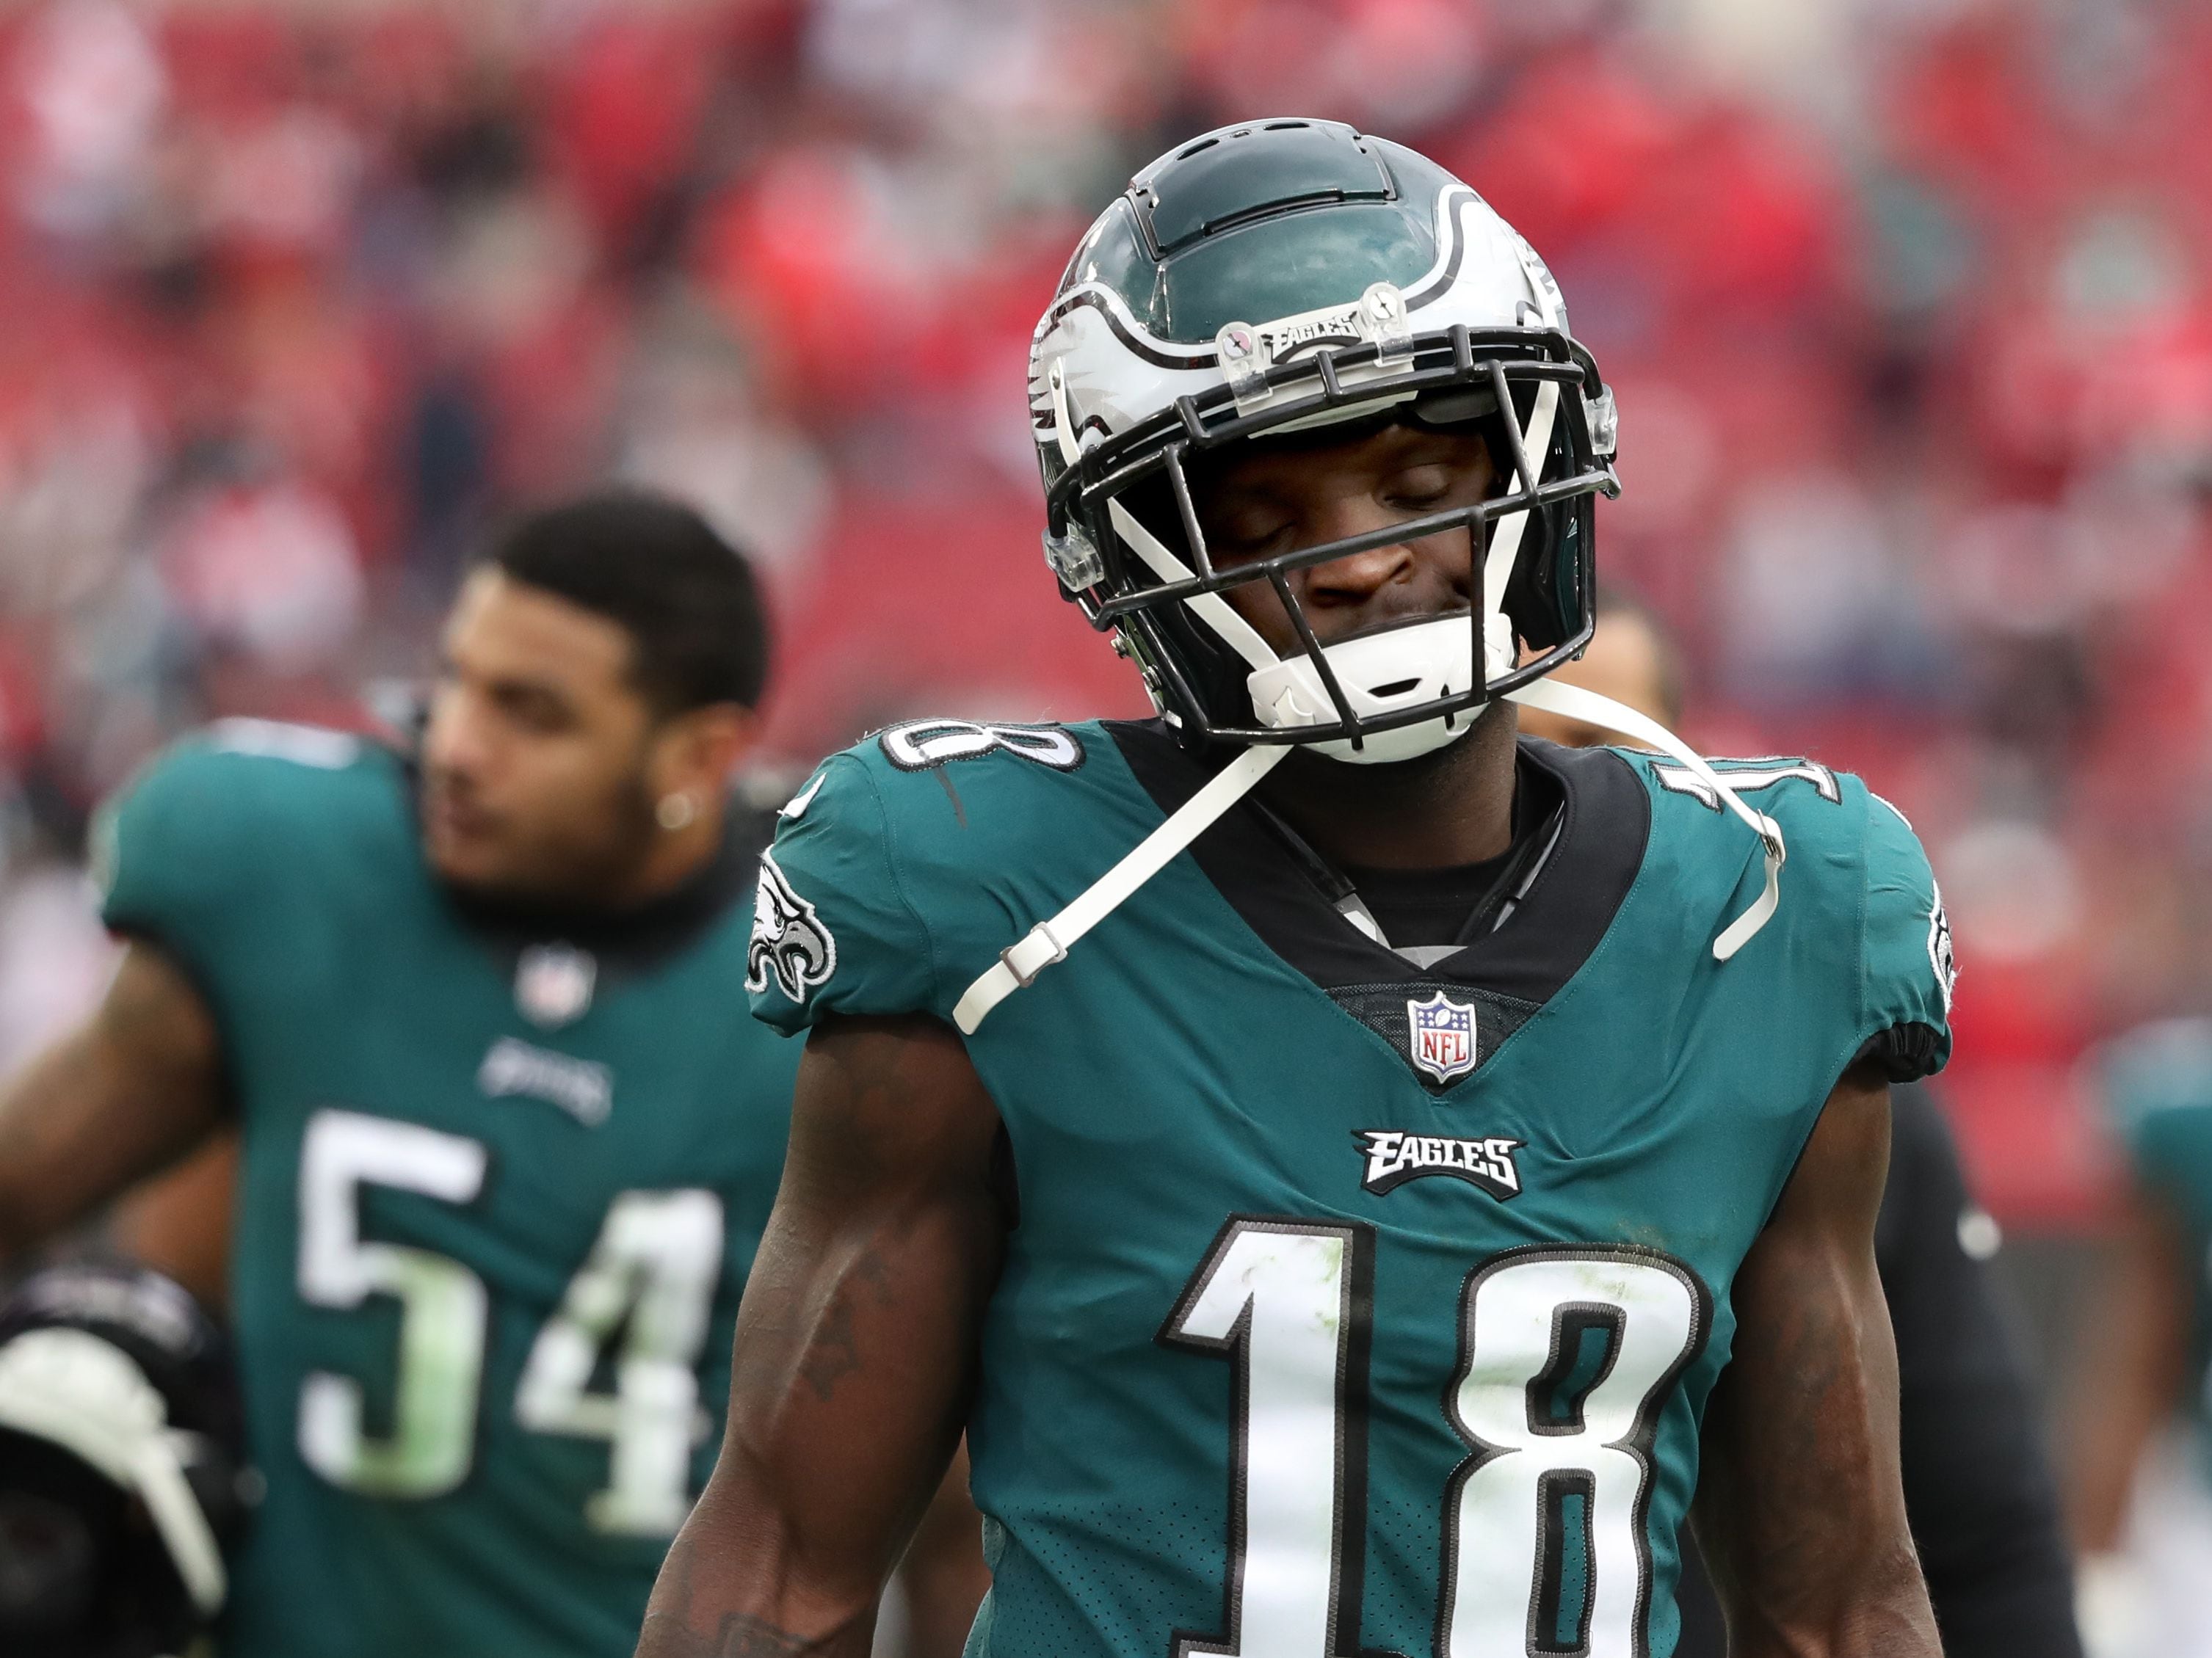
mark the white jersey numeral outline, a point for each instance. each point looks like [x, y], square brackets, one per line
[1290, 1302]
[1745, 776]
[1534, 1474]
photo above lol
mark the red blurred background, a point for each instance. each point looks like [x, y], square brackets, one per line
[1906, 302]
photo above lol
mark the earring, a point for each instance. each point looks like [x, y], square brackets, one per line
[675, 812]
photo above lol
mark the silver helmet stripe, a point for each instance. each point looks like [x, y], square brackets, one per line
[1063, 424]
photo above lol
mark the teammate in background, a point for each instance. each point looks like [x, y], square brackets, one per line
[505, 1156]
[1333, 1240]
[1978, 1488]
[2144, 1523]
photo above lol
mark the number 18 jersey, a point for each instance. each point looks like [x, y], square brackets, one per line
[1356, 1306]
[499, 1192]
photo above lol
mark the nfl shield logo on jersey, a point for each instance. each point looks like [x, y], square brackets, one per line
[553, 984]
[1441, 1035]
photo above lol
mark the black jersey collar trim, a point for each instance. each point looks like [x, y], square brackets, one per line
[1605, 825]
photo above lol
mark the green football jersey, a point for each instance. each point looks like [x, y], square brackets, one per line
[498, 1200]
[1356, 1306]
[2158, 1087]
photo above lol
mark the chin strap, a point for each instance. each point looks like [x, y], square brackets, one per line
[1573, 702]
[1047, 941]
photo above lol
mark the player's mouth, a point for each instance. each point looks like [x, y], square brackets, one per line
[1407, 617]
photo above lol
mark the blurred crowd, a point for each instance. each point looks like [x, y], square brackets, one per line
[1908, 305]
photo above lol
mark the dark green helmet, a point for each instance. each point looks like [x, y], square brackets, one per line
[1279, 275]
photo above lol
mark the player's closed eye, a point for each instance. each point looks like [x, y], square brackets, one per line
[1424, 484]
[533, 708]
[1238, 542]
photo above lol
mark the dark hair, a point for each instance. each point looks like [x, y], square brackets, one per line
[685, 596]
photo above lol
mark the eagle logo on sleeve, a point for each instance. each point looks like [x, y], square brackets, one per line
[790, 947]
[1938, 948]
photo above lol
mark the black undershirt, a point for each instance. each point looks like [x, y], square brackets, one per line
[1425, 906]
[1430, 907]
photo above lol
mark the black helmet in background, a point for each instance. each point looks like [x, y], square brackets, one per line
[123, 1483]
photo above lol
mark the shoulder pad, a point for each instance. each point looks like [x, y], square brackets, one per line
[1856, 872]
[906, 862]
[197, 825]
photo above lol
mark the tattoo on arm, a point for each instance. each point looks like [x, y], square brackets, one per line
[854, 1352]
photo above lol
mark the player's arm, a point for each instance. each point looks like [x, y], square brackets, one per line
[944, 1573]
[178, 1222]
[2133, 1368]
[1799, 1510]
[856, 1350]
[133, 1089]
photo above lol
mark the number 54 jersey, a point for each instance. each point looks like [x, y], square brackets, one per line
[1355, 1306]
[498, 1195]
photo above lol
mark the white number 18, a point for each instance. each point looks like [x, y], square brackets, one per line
[1566, 1356]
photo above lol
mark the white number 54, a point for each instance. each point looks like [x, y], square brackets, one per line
[650, 1277]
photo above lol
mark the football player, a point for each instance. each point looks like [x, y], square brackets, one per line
[1334, 1239]
[1978, 1487]
[505, 1157]
[2143, 1522]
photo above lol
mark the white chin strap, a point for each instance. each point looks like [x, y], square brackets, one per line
[1382, 674]
[1048, 942]
[72, 1389]
[1573, 702]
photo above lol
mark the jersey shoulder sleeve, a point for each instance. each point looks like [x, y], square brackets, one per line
[833, 928]
[1906, 969]
[906, 862]
[2157, 1087]
[198, 837]
[1859, 931]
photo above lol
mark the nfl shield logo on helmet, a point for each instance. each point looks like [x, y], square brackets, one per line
[553, 984]
[1440, 1034]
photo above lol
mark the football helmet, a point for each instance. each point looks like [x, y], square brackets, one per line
[122, 1475]
[1268, 278]
[1273, 277]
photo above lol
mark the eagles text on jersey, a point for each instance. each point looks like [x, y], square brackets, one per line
[1358, 1306]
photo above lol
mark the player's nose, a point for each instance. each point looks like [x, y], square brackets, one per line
[1398, 576]
[455, 745]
